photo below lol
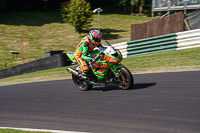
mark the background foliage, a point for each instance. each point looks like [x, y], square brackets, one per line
[78, 13]
[109, 6]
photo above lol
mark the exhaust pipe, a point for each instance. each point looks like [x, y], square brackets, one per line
[72, 71]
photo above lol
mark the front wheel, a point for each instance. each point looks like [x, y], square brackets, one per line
[125, 80]
[80, 83]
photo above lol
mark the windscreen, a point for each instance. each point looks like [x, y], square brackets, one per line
[107, 48]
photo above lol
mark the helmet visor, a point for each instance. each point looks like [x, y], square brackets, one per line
[97, 40]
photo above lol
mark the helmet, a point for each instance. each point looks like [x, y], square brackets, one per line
[95, 37]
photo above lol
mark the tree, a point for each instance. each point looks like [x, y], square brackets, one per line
[142, 3]
[133, 3]
[124, 4]
[78, 13]
[3, 3]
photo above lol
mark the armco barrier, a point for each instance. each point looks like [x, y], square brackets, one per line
[169, 42]
[187, 39]
[151, 45]
[122, 47]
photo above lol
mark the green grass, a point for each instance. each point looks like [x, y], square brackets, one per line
[188, 59]
[45, 32]
[167, 61]
[17, 131]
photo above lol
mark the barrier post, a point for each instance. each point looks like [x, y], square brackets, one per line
[22, 48]
[23, 43]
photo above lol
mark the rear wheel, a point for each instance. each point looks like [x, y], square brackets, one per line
[125, 81]
[79, 82]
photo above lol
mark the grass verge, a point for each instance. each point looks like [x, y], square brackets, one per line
[18, 131]
[188, 59]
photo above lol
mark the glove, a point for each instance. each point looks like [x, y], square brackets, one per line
[101, 54]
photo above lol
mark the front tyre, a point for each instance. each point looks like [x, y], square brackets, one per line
[80, 83]
[125, 80]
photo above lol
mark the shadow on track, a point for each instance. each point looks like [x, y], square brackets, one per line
[143, 85]
[135, 87]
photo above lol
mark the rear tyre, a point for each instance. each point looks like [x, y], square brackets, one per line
[79, 82]
[125, 81]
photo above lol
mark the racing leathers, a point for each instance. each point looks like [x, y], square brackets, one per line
[82, 51]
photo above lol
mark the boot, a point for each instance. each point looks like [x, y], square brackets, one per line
[85, 74]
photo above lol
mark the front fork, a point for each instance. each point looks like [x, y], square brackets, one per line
[114, 70]
[115, 73]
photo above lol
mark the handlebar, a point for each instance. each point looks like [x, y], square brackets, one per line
[100, 55]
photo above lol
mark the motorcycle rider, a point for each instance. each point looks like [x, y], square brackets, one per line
[87, 44]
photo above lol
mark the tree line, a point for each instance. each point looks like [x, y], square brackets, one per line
[109, 6]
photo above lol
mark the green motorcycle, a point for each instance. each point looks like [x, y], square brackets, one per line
[106, 69]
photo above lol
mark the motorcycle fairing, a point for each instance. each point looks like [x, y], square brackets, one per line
[71, 56]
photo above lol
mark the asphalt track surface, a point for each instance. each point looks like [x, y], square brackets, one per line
[158, 103]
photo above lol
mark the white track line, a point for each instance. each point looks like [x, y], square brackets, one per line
[41, 130]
